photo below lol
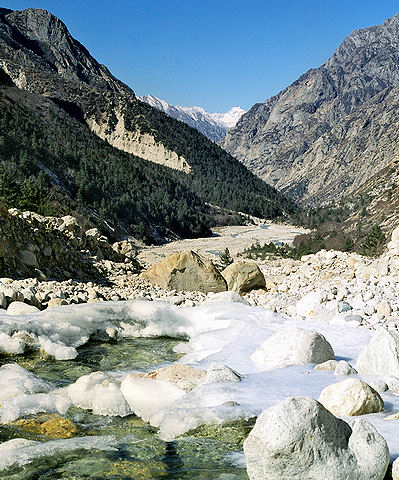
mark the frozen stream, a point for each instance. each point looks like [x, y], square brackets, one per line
[181, 439]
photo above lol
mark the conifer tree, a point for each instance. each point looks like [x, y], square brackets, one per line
[226, 258]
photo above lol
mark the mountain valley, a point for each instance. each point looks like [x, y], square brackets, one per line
[168, 173]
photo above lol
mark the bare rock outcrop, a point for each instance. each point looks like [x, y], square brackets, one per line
[334, 127]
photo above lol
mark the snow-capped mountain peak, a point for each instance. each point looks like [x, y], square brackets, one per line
[230, 118]
[212, 125]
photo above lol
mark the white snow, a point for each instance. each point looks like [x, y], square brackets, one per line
[149, 397]
[230, 118]
[226, 333]
[99, 392]
[197, 114]
[24, 405]
[22, 452]
[15, 380]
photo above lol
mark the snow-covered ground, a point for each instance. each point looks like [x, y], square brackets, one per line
[226, 333]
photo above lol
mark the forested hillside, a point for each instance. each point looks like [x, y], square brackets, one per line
[53, 164]
[54, 136]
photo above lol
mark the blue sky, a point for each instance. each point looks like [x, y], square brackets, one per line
[212, 53]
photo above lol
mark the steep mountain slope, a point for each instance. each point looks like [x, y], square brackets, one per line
[379, 197]
[334, 127]
[53, 164]
[212, 125]
[38, 55]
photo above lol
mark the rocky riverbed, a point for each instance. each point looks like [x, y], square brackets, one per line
[236, 238]
[168, 384]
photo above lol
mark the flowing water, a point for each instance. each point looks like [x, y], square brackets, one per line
[140, 454]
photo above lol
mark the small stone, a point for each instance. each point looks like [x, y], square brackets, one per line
[221, 373]
[344, 307]
[354, 318]
[47, 251]
[379, 385]
[384, 309]
[56, 302]
[344, 368]
[328, 366]
[59, 428]
[183, 376]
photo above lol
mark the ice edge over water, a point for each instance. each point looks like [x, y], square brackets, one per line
[227, 333]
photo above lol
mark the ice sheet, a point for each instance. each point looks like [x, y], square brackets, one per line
[21, 452]
[226, 333]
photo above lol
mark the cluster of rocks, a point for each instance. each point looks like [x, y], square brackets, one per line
[59, 248]
[335, 287]
[190, 271]
[301, 437]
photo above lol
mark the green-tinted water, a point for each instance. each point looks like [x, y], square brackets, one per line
[140, 454]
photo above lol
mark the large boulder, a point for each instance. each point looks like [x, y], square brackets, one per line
[21, 308]
[351, 397]
[299, 439]
[293, 346]
[186, 271]
[381, 356]
[243, 277]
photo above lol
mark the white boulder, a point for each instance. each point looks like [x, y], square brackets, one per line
[229, 297]
[221, 373]
[298, 439]
[351, 397]
[381, 356]
[293, 346]
[21, 308]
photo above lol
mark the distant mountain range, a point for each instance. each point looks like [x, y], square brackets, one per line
[334, 128]
[75, 139]
[212, 125]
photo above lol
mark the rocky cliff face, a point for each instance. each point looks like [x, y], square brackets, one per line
[33, 38]
[38, 53]
[379, 196]
[334, 127]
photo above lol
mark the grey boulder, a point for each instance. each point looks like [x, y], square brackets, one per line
[298, 439]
